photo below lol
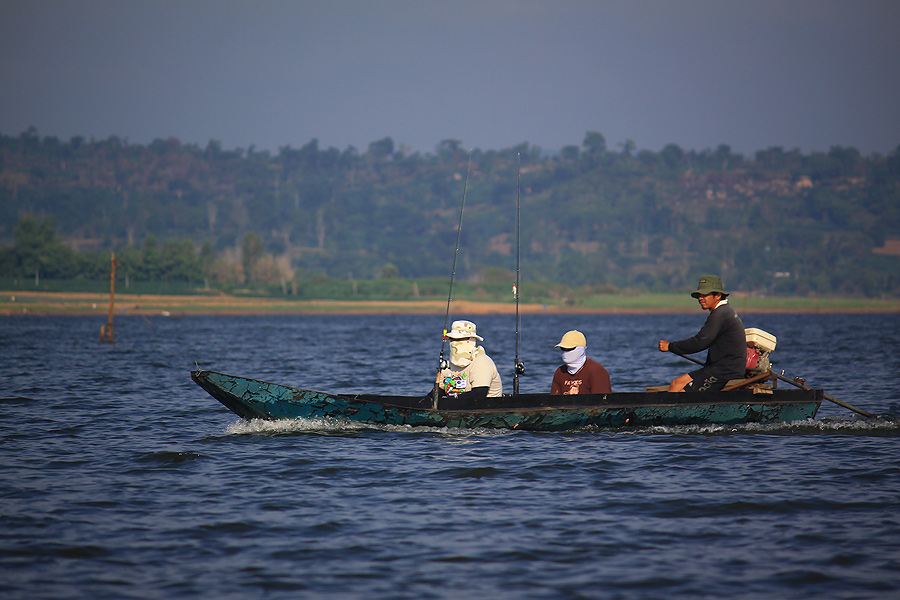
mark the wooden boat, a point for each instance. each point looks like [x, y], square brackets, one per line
[255, 399]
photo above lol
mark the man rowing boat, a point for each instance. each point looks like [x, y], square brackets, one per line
[723, 334]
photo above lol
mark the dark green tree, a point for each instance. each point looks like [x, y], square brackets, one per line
[38, 251]
[151, 267]
[594, 144]
[252, 253]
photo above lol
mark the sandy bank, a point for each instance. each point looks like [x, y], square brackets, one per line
[62, 303]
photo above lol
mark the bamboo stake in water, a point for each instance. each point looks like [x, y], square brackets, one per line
[106, 331]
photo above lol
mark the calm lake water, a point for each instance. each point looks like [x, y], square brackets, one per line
[123, 479]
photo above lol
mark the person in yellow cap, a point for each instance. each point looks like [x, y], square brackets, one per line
[471, 373]
[579, 374]
[722, 335]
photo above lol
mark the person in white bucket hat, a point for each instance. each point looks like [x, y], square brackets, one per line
[578, 374]
[471, 372]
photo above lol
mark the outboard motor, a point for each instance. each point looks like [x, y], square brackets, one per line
[759, 345]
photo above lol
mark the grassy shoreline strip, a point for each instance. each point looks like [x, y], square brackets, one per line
[85, 303]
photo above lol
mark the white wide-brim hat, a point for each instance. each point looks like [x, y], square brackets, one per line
[463, 329]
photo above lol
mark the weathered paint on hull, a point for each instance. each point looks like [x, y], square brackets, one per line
[250, 398]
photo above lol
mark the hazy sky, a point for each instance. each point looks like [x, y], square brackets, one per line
[806, 74]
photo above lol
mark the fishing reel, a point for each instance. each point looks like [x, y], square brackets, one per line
[520, 368]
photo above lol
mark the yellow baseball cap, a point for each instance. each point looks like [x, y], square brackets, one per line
[571, 339]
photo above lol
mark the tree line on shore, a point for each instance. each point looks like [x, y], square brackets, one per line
[779, 222]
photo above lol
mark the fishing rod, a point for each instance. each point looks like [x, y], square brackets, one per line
[800, 384]
[519, 367]
[442, 364]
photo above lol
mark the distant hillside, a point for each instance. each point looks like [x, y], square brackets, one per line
[777, 222]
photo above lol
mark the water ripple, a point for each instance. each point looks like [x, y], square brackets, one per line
[122, 479]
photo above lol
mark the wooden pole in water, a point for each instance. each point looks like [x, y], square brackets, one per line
[106, 331]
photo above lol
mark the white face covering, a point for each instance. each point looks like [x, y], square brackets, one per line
[574, 358]
[462, 352]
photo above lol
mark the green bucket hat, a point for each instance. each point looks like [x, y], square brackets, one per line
[709, 284]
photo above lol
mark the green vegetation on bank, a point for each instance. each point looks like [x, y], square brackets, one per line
[321, 288]
[405, 293]
[302, 221]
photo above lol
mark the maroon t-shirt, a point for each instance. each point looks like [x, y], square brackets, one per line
[591, 378]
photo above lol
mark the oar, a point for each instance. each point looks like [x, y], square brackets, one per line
[801, 386]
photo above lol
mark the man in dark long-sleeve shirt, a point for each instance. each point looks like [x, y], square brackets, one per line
[722, 334]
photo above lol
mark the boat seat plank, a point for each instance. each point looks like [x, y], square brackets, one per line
[736, 384]
[657, 388]
[732, 384]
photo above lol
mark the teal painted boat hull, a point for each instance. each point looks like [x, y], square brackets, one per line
[255, 399]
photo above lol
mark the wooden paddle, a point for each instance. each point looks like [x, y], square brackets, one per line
[802, 386]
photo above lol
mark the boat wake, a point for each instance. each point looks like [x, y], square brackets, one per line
[263, 426]
[886, 425]
[341, 426]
